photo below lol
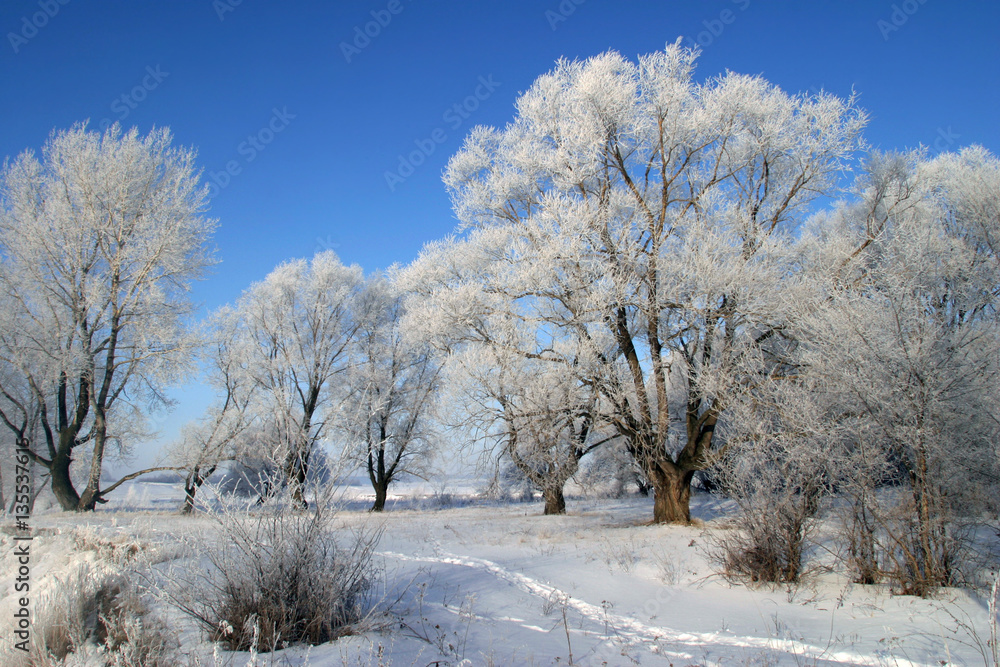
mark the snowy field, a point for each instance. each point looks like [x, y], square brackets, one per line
[472, 582]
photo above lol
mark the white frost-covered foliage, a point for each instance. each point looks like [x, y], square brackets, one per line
[521, 373]
[903, 346]
[387, 421]
[100, 238]
[533, 413]
[293, 339]
[632, 225]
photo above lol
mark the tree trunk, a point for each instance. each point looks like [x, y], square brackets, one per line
[642, 485]
[190, 489]
[193, 482]
[298, 488]
[62, 484]
[378, 475]
[92, 492]
[381, 493]
[296, 471]
[555, 502]
[671, 493]
[88, 501]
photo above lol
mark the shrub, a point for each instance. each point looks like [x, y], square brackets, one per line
[777, 487]
[766, 545]
[279, 576]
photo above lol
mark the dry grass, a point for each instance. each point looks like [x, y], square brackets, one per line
[95, 615]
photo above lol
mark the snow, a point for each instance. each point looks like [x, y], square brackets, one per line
[486, 583]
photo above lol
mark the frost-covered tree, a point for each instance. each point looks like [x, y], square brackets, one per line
[529, 412]
[523, 370]
[665, 205]
[904, 348]
[782, 458]
[611, 471]
[218, 436]
[296, 331]
[100, 239]
[393, 383]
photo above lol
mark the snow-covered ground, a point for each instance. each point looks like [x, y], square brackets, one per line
[499, 584]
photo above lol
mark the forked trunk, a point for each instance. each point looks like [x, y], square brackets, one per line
[671, 494]
[378, 475]
[88, 501]
[92, 492]
[555, 502]
[193, 482]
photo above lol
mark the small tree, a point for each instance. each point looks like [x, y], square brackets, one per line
[527, 357]
[546, 436]
[610, 471]
[530, 413]
[217, 437]
[295, 334]
[393, 388]
[99, 241]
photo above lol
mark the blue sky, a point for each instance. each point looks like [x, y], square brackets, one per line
[310, 117]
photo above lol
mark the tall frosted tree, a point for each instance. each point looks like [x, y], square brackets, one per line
[100, 238]
[673, 200]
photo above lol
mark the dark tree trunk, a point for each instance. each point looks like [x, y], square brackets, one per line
[381, 493]
[297, 470]
[91, 496]
[62, 484]
[92, 492]
[380, 474]
[190, 489]
[642, 485]
[193, 482]
[555, 502]
[671, 493]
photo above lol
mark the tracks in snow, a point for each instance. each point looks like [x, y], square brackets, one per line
[630, 628]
